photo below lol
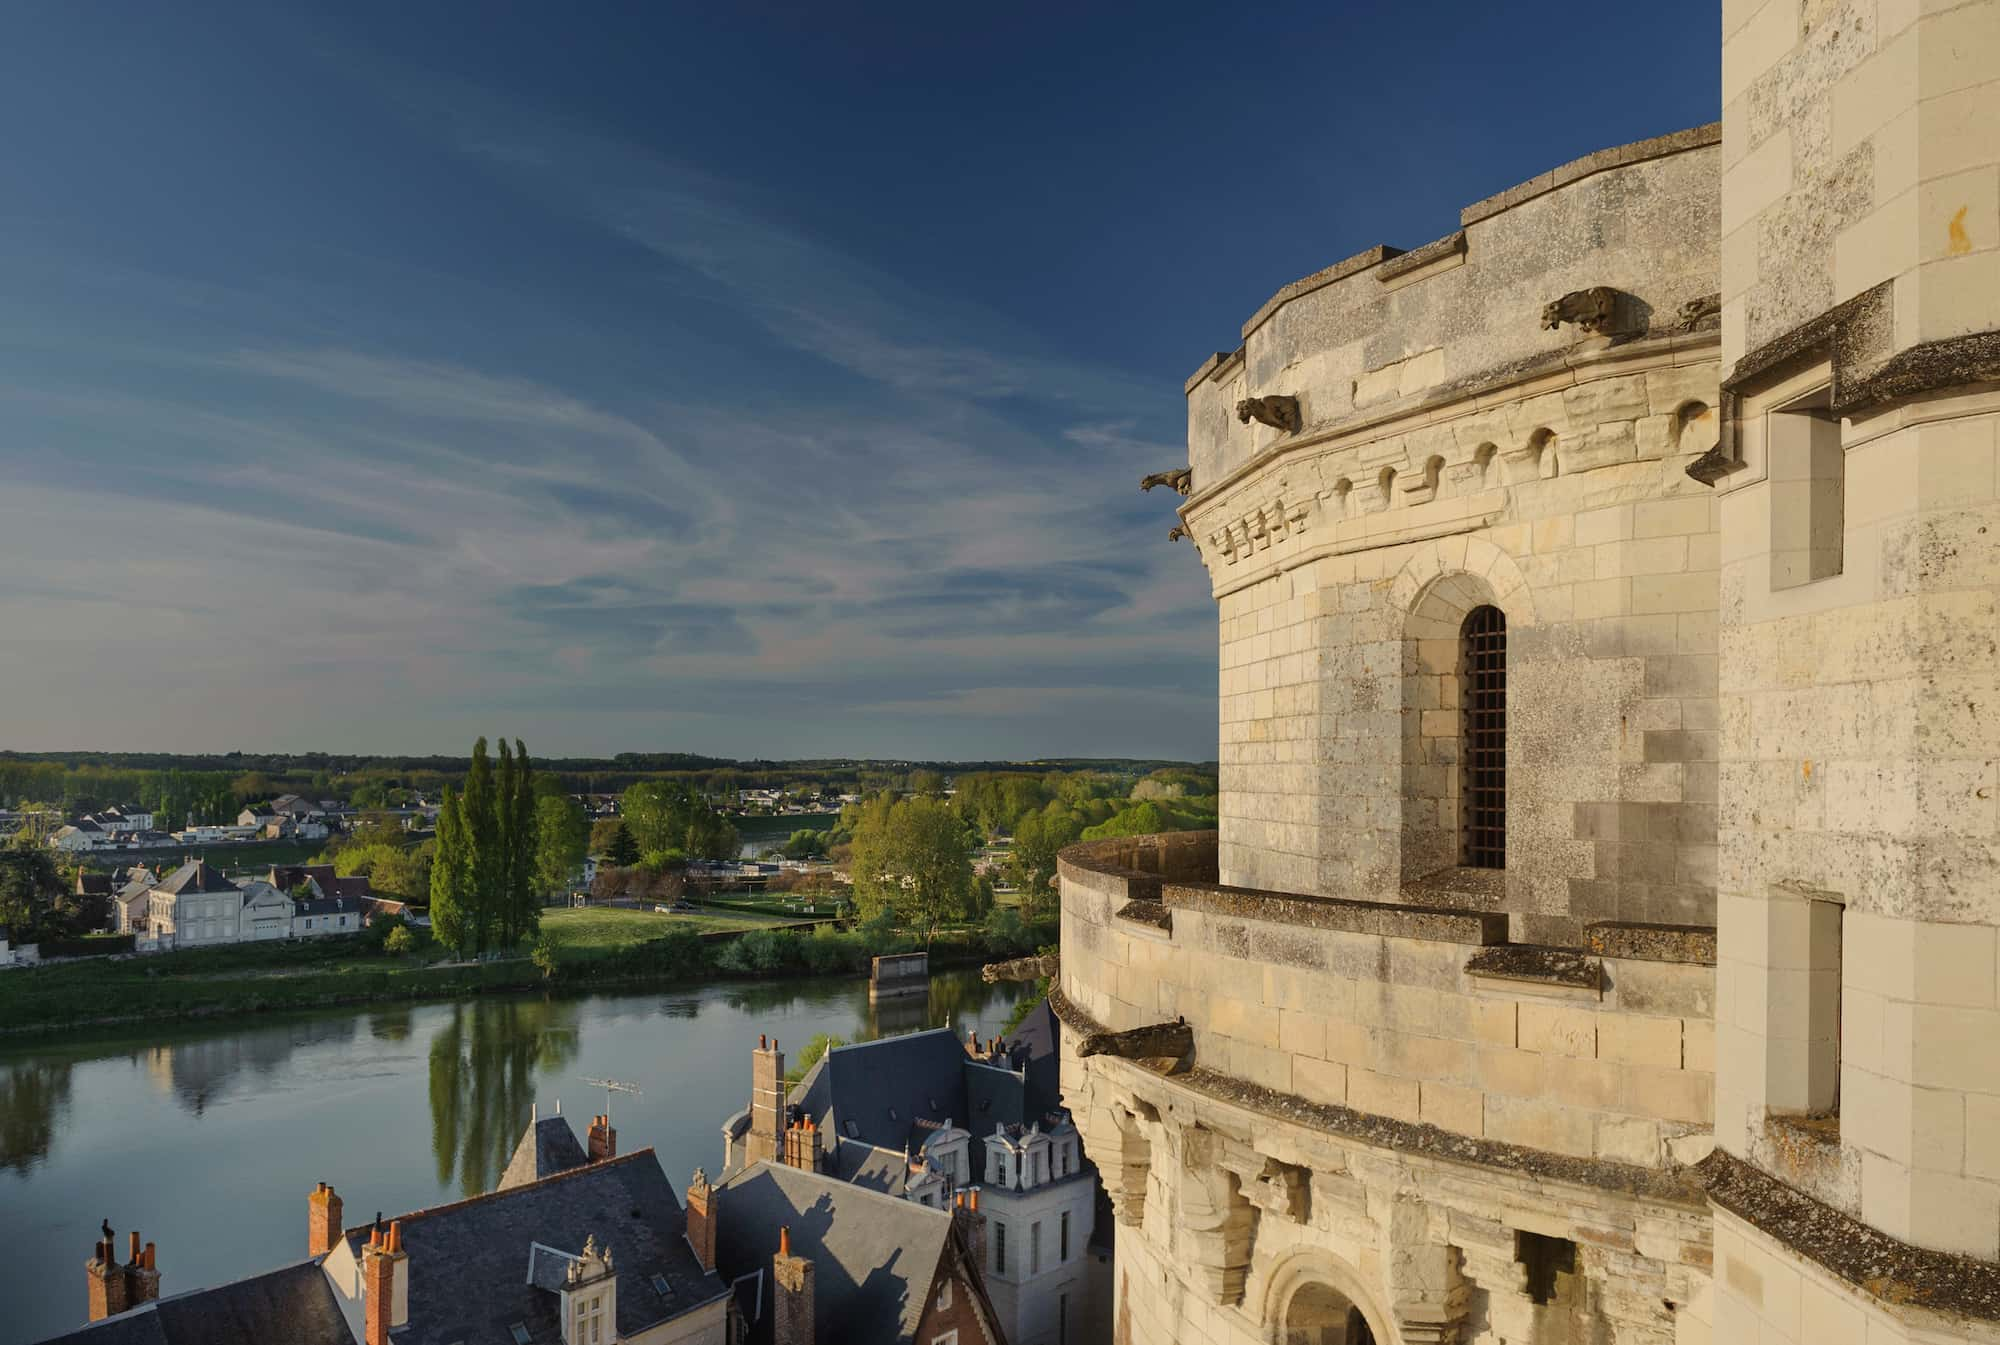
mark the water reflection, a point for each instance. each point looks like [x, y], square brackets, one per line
[482, 1080]
[203, 1071]
[33, 1095]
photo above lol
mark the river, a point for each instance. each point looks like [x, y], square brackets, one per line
[207, 1139]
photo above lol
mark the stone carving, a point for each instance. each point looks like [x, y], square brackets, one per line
[1592, 310]
[1695, 310]
[1711, 466]
[1261, 524]
[1280, 413]
[1180, 478]
[1019, 969]
[1123, 1155]
[1178, 531]
[1175, 1039]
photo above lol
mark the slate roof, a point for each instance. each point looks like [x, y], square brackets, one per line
[469, 1262]
[196, 876]
[547, 1147]
[293, 1304]
[893, 1093]
[89, 884]
[874, 1256]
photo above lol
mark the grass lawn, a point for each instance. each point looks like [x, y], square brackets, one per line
[613, 928]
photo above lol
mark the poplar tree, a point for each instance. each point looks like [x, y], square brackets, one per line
[449, 914]
[504, 920]
[483, 867]
[521, 881]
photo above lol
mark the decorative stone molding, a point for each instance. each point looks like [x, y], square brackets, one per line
[1260, 525]
[1430, 1295]
[1180, 479]
[1178, 531]
[1117, 1144]
[1277, 411]
[1712, 466]
[1594, 311]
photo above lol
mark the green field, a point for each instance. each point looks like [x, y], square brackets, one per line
[613, 928]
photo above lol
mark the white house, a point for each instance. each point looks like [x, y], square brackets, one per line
[194, 907]
[82, 835]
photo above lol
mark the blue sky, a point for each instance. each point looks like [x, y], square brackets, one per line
[754, 379]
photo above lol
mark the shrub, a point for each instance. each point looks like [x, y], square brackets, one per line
[400, 942]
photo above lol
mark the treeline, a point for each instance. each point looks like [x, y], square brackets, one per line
[501, 845]
[211, 788]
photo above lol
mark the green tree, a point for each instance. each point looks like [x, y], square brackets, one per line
[1038, 838]
[523, 896]
[506, 845]
[483, 862]
[623, 852]
[916, 860]
[561, 833]
[545, 954]
[400, 942]
[601, 833]
[451, 920]
[31, 892]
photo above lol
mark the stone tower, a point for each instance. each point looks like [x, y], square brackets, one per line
[1858, 1030]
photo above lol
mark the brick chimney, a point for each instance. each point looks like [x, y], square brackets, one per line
[792, 1306]
[802, 1146]
[971, 1225]
[322, 1221]
[110, 1288]
[701, 1218]
[385, 1284]
[766, 1138]
[142, 1274]
[114, 1288]
[602, 1140]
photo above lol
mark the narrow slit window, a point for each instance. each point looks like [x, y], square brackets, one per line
[1483, 661]
[1808, 471]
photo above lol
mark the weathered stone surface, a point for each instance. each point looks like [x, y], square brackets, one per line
[1654, 943]
[1548, 966]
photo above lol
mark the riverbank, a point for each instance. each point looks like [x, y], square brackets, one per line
[245, 980]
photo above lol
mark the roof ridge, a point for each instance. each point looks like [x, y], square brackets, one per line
[831, 1180]
[536, 1184]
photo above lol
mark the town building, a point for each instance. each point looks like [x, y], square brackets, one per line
[195, 906]
[1599, 940]
[814, 1260]
[927, 1117]
[592, 1249]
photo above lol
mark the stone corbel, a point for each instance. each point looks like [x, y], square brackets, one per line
[1283, 1189]
[1429, 1294]
[1118, 1145]
[1217, 1224]
[1697, 311]
[1523, 465]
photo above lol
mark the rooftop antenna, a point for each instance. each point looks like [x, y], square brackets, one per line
[611, 1086]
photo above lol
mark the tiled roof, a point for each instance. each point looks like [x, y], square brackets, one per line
[873, 1256]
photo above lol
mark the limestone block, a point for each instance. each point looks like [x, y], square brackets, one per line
[1539, 1124]
[1450, 1107]
[1513, 1072]
[1383, 1095]
[1558, 1030]
[1639, 1040]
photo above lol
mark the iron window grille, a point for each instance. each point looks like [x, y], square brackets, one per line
[1483, 659]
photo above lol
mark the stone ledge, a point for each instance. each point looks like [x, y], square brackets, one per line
[1435, 923]
[1409, 1136]
[1618, 156]
[1543, 966]
[1885, 1268]
[1147, 913]
[1421, 257]
[1691, 944]
[1208, 368]
[1340, 270]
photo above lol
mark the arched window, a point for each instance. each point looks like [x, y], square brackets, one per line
[1483, 746]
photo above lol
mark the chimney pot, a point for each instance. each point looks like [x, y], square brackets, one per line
[785, 1240]
[762, 1043]
[133, 1255]
[148, 1254]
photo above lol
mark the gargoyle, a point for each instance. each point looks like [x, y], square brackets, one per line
[1181, 479]
[1694, 310]
[1020, 969]
[1175, 1039]
[1592, 310]
[1279, 412]
[1711, 466]
[1175, 533]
